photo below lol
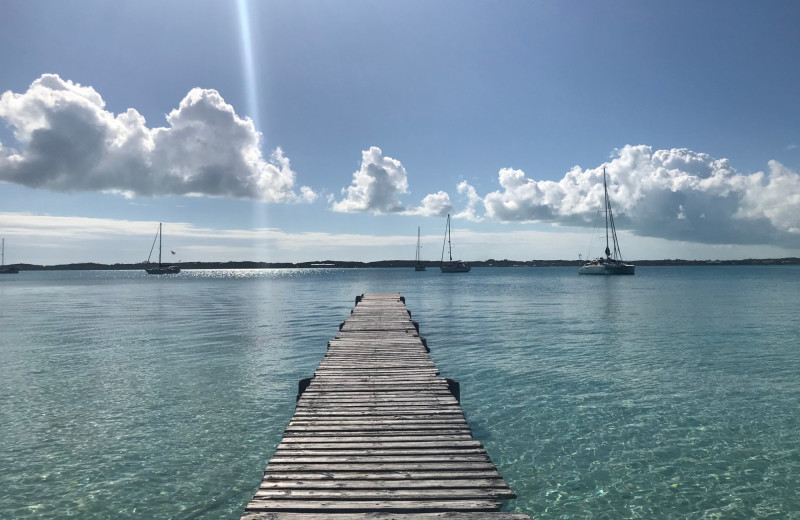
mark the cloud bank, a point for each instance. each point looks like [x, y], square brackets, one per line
[675, 194]
[65, 140]
[69, 142]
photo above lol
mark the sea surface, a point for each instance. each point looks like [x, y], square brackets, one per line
[674, 393]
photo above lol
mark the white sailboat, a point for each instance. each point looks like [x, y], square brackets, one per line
[612, 263]
[161, 269]
[418, 265]
[451, 266]
[3, 268]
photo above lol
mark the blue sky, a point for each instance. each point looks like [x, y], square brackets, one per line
[299, 131]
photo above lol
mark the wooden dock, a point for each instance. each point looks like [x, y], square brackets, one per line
[378, 434]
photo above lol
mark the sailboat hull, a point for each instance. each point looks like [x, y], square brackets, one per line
[171, 269]
[455, 268]
[9, 270]
[607, 269]
[419, 267]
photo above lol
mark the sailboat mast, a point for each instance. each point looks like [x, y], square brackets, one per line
[617, 250]
[418, 244]
[159, 244]
[608, 209]
[445, 236]
[3, 254]
[449, 244]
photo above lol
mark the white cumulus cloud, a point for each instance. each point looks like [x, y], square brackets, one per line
[68, 141]
[376, 185]
[676, 194]
[434, 205]
[774, 196]
[474, 201]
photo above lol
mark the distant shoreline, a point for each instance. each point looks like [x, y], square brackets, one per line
[335, 264]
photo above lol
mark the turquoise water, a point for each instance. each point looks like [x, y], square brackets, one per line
[671, 394]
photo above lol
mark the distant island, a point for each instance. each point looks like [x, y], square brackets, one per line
[338, 264]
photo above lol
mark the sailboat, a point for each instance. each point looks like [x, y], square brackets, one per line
[418, 265]
[452, 266]
[161, 269]
[3, 268]
[612, 263]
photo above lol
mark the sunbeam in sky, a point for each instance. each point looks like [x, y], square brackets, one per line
[248, 62]
[251, 89]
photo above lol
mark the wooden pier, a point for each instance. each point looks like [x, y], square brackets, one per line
[378, 434]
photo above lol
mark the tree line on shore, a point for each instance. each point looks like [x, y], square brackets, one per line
[396, 263]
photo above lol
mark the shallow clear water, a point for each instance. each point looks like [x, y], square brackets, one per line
[670, 394]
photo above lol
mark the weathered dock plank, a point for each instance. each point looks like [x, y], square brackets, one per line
[378, 477]
[378, 434]
[444, 515]
[383, 484]
[382, 494]
[419, 505]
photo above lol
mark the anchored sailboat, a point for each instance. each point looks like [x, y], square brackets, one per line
[418, 265]
[3, 268]
[452, 266]
[161, 269]
[612, 263]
